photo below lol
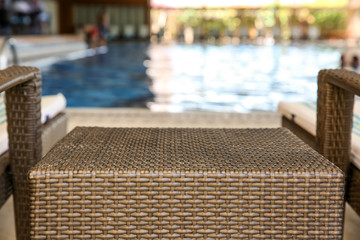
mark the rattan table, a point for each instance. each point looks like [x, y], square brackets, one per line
[173, 183]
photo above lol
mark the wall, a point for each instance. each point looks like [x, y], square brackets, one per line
[124, 21]
[124, 14]
[52, 9]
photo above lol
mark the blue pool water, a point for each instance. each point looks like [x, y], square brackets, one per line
[183, 77]
[115, 79]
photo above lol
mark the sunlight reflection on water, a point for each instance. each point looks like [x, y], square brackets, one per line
[235, 78]
[183, 77]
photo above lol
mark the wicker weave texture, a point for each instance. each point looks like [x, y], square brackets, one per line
[334, 121]
[137, 183]
[23, 96]
[336, 89]
[353, 188]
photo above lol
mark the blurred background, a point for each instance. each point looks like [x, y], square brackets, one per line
[178, 63]
[184, 55]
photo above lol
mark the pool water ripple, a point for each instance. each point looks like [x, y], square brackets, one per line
[181, 77]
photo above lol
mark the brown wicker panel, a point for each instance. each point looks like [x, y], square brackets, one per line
[23, 96]
[149, 183]
[334, 120]
[299, 132]
[52, 132]
[334, 123]
[353, 188]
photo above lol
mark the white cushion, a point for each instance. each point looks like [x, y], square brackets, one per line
[3, 131]
[51, 106]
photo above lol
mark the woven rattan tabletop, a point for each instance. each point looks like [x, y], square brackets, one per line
[185, 183]
[190, 150]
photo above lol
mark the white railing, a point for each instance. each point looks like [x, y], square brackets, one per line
[9, 42]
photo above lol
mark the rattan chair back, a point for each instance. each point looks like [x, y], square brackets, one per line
[23, 110]
[336, 89]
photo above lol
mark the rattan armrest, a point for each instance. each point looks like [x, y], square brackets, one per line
[336, 89]
[23, 110]
[347, 80]
[16, 75]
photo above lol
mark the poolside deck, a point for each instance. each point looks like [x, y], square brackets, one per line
[132, 117]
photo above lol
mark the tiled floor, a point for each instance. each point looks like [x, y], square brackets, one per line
[113, 117]
[145, 118]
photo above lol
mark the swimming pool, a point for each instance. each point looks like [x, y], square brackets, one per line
[181, 77]
[115, 79]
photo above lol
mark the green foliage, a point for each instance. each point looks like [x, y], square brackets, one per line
[232, 23]
[267, 16]
[284, 16]
[330, 19]
[211, 19]
[222, 20]
[190, 17]
[248, 18]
